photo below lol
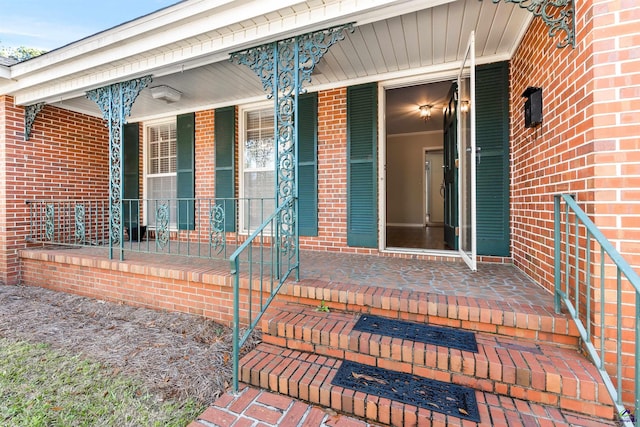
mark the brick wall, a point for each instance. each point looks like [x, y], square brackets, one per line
[332, 172]
[587, 145]
[65, 158]
[200, 292]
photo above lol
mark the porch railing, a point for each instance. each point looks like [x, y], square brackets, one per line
[584, 263]
[264, 264]
[203, 228]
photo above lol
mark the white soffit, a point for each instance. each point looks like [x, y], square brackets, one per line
[416, 43]
[201, 31]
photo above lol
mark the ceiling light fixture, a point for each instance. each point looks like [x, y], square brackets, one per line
[165, 93]
[425, 112]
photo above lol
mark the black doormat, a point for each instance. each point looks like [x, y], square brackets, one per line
[437, 396]
[420, 332]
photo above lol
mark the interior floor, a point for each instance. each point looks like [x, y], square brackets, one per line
[431, 237]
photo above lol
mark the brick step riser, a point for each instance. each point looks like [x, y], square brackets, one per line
[505, 324]
[488, 377]
[312, 383]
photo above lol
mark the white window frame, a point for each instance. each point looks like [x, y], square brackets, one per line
[242, 130]
[173, 226]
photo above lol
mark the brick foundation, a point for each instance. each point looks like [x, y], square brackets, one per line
[203, 293]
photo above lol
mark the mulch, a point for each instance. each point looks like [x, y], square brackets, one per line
[175, 355]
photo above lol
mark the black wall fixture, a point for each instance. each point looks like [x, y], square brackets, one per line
[532, 106]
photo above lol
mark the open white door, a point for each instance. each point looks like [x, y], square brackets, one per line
[467, 156]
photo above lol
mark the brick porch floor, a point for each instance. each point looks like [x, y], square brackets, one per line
[492, 281]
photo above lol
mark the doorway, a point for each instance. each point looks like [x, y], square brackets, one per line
[414, 167]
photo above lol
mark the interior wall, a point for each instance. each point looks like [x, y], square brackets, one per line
[436, 197]
[405, 176]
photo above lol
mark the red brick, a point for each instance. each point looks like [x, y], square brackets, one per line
[217, 417]
[274, 400]
[294, 415]
[262, 413]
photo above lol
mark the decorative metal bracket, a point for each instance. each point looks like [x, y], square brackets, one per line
[115, 102]
[559, 15]
[30, 113]
[283, 67]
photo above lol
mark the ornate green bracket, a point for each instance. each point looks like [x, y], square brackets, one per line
[115, 102]
[30, 113]
[559, 15]
[283, 67]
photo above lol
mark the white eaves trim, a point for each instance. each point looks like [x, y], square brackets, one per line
[105, 39]
[185, 36]
[5, 73]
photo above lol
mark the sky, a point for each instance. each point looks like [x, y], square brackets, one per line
[50, 24]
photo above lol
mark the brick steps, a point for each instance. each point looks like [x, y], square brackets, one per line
[308, 376]
[496, 317]
[534, 371]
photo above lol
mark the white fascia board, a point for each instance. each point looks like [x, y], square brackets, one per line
[69, 78]
[5, 73]
[121, 33]
[116, 44]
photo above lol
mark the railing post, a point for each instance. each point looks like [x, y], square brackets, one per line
[614, 386]
[557, 242]
[236, 322]
[115, 102]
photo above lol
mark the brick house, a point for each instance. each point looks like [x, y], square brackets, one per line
[376, 137]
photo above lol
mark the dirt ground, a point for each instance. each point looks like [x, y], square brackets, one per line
[176, 355]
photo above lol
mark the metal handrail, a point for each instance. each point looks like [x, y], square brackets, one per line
[582, 245]
[282, 260]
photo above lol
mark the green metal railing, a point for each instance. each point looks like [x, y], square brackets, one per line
[579, 248]
[201, 228]
[264, 261]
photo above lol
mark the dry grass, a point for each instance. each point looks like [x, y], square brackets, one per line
[40, 387]
[176, 356]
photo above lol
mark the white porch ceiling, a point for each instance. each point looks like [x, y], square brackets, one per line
[424, 45]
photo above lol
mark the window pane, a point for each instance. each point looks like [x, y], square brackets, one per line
[258, 160]
[161, 174]
[259, 148]
[161, 190]
[162, 148]
[260, 189]
[164, 165]
[259, 154]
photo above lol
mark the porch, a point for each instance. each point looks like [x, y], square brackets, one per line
[513, 318]
[340, 274]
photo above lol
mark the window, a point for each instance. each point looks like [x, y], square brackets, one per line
[161, 170]
[258, 167]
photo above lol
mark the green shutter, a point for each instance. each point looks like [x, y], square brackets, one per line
[185, 145]
[308, 164]
[225, 142]
[131, 168]
[492, 173]
[362, 204]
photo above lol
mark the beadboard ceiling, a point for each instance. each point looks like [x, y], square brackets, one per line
[413, 45]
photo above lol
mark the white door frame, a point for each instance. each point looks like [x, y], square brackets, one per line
[438, 75]
[467, 162]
